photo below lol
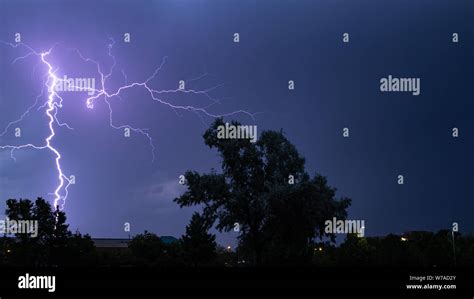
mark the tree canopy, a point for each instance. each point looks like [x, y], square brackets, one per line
[54, 244]
[264, 190]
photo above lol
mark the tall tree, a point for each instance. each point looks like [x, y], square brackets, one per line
[198, 245]
[265, 192]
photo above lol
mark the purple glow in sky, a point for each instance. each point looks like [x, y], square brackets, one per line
[54, 102]
[134, 179]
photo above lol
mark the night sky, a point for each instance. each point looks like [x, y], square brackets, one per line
[336, 86]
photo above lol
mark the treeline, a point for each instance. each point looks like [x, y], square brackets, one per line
[421, 249]
[52, 243]
[413, 249]
[55, 245]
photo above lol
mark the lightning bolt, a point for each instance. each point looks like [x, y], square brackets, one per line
[55, 102]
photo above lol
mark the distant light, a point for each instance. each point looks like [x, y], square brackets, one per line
[8, 250]
[320, 249]
[229, 248]
[403, 239]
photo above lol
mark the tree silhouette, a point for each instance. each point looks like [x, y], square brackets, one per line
[199, 246]
[53, 244]
[254, 193]
[148, 248]
[356, 251]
